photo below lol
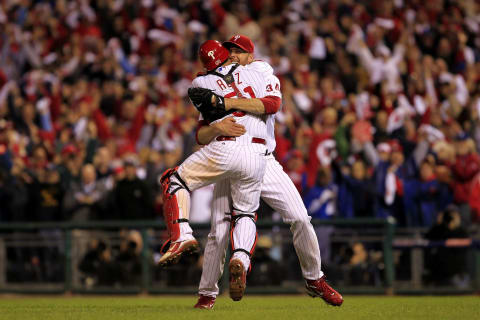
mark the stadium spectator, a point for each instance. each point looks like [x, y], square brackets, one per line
[447, 264]
[132, 199]
[87, 199]
[128, 257]
[355, 193]
[267, 270]
[363, 265]
[466, 166]
[93, 81]
[295, 168]
[98, 265]
[321, 203]
[48, 195]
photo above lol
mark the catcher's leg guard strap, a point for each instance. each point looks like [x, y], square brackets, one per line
[180, 181]
[237, 217]
[242, 250]
[164, 179]
[172, 182]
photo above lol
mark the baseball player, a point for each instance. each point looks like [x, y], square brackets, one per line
[277, 190]
[240, 160]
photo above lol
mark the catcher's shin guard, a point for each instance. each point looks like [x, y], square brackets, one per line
[171, 212]
[171, 215]
[243, 235]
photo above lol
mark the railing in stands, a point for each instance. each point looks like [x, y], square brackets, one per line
[386, 227]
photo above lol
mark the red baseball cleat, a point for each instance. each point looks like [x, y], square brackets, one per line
[176, 250]
[238, 279]
[320, 288]
[205, 302]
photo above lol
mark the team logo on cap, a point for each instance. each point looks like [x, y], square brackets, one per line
[236, 37]
[211, 54]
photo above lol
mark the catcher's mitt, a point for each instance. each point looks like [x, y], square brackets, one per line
[202, 100]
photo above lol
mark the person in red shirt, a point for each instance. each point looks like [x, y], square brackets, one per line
[465, 168]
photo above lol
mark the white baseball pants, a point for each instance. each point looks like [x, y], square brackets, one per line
[279, 192]
[242, 166]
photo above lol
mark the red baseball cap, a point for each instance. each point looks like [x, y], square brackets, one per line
[241, 41]
[69, 149]
[395, 145]
[212, 54]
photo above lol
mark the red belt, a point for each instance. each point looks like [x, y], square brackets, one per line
[254, 140]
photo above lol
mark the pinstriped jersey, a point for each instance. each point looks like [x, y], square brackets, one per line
[249, 82]
[260, 66]
[267, 71]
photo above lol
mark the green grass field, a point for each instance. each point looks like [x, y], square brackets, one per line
[251, 307]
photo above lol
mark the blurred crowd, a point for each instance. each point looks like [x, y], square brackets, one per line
[380, 115]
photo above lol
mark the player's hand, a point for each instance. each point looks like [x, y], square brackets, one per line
[229, 127]
[204, 99]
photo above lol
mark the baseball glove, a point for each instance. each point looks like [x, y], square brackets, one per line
[202, 100]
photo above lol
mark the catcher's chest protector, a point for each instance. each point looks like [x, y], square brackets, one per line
[228, 78]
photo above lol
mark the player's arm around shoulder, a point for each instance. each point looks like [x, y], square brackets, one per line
[225, 127]
[269, 100]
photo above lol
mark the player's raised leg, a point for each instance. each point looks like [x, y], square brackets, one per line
[176, 209]
[204, 167]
